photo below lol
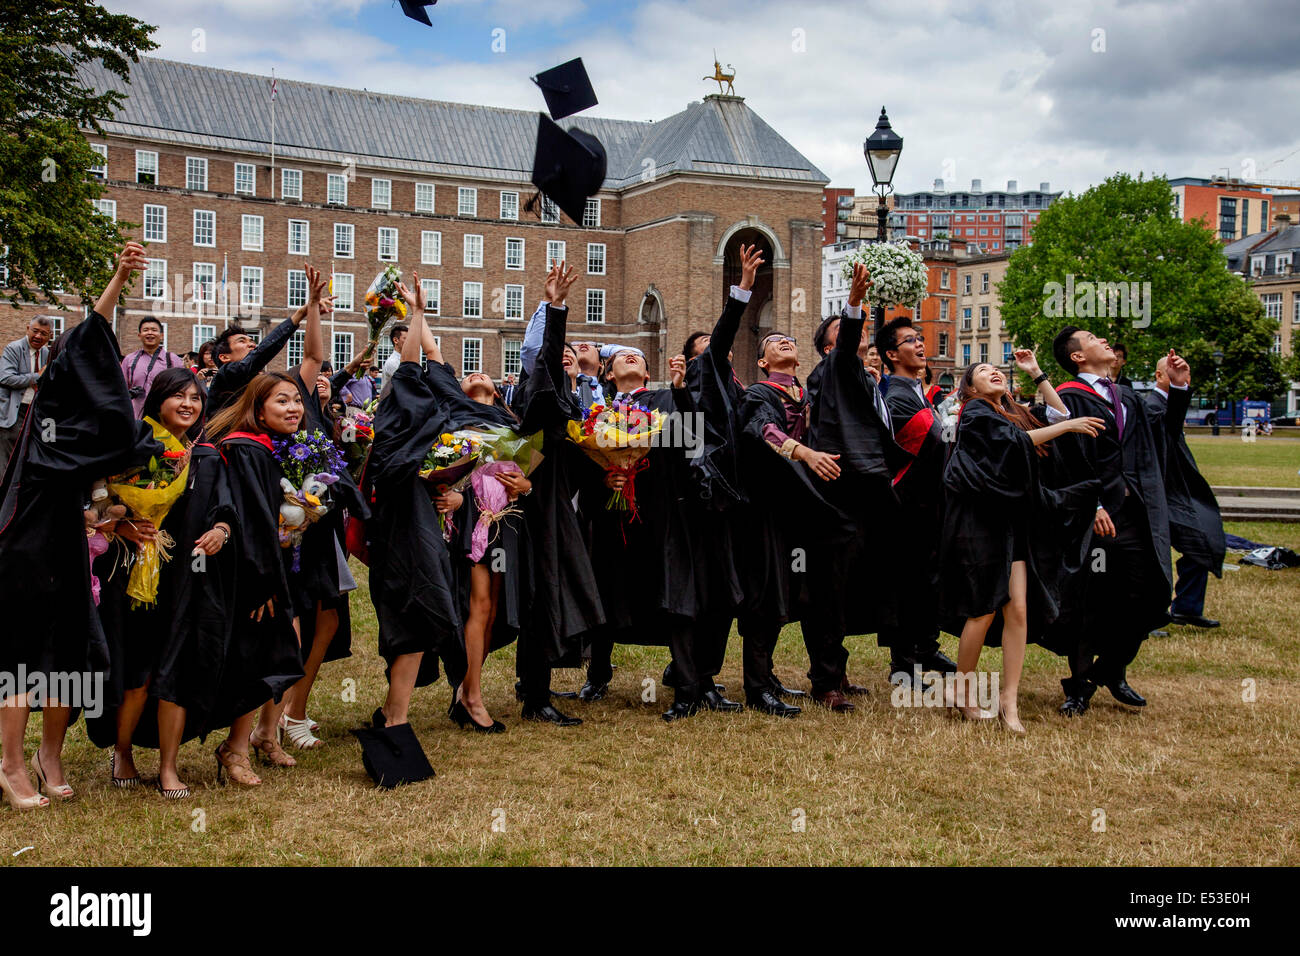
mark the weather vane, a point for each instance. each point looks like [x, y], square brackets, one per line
[719, 77]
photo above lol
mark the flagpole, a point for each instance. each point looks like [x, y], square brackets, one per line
[225, 299]
[272, 132]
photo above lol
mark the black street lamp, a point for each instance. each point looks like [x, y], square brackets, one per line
[1218, 361]
[882, 149]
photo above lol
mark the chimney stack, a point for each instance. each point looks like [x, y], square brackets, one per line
[975, 186]
[938, 184]
[1011, 185]
[1044, 187]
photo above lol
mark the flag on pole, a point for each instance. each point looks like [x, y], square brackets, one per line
[273, 81]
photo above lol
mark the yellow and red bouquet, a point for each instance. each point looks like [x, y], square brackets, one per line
[618, 437]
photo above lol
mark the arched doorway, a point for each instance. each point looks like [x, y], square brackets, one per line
[760, 308]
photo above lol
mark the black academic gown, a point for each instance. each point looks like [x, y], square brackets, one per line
[1195, 524]
[178, 646]
[263, 659]
[80, 428]
[231, 378]
[412, 585]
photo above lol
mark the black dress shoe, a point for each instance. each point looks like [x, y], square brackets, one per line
[1194, 620]
[715, 701]
[679, 710]
[464, 719]
[1074, 707]
[1125, 694]
[564, 694]
[549, 714]
[780, 690]
[938, 661]
[592, 692]
[769, 703]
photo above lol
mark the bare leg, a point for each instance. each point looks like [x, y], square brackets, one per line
[128, 718]
[295, 698]
[268, 718]
[968, 658]
[401, 685]
[237, 741]
[171, 727]
[13, 727]
[1015, 632]
[54, 727]
[476, 643]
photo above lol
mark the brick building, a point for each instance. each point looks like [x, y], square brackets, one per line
[1267, 261]
[994, 221]
[360, 179]
[1231, 210]
[837, 206]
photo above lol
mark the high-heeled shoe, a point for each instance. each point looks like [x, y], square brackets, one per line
[21, 803]
[122, 783]
[63, 792]
[464, 718]
[181, 793]
[269, 751]
[236, 766]
[1018, 730]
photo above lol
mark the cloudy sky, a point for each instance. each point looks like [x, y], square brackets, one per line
[1033, 91]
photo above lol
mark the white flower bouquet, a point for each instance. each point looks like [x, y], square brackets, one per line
[898, 274]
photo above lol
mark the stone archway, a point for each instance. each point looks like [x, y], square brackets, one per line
[760, 309]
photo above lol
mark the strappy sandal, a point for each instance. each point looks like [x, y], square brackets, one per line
[300, 733]
[236, 766]
[63, 792]
[21, 803]
[270, 751]
[182, 793]
[122, 783]
[314, 726]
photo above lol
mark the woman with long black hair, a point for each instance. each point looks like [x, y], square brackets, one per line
[995, 553]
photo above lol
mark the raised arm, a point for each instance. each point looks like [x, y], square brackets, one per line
[850, 334]
[313, 345]
[1027, 362]
[130, 259]
[413, 344]
[724, 332]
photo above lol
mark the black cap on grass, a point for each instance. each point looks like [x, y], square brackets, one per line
[568, 166]
[567, 89]
[393, 755]
[415, 10]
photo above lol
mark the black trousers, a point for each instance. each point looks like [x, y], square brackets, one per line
[759, 634]
[680, 634]
[829, 587]
[534, 672]
[712, 629]
[1189, 590]
[1124, 582]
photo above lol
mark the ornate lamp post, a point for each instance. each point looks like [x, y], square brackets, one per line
[882, 149]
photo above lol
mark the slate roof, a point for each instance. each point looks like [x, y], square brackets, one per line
[185, 104]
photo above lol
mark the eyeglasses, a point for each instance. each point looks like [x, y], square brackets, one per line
[778, 339]
[910, 339]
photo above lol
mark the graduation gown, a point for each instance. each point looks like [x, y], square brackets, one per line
[179, 646]
[1195, 524]
[566, 603]
[231, 378]
[81, 427]
[263, 658]
[411, 582]
[997, 511]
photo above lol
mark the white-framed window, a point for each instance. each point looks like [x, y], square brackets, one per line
[297, 286]
[297, 348]
[4, 272]
[196, 173]
[1280, 262]
[596, 305]
[387, 244]
[205, 227]
[965, 283]
[1277, 345]
[550, 211]
[106, 207]
[965, 355]
[943, 312]
[343, 291]
[203, 279]
[984, 316]
[250, 286]
[554, 253]
[251, 233]
[471, 294]
[509, 205]
[424, 197]
[246, 179]
[100, 171]
[200, 334]
[1295, 308]
[595, 258]
[343, 244]
[511, 357]
[965, 319]
[146, 166]
[984, 352]
[336, 190]
[430, 248]
[514, 254]
[342, 349]
[473, 252]
[1272, 305]
[466, 201]
[299, 237]
[291, 184]
[381, 193]
[155, 279]
[1007, 357]
[514, 302]
[382, 351]
[155, 223]
[471, 356]
[984, 282]
[432, 296]
[591, 213]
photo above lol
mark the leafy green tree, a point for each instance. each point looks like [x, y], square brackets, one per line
[55, 238]
[1125, 231]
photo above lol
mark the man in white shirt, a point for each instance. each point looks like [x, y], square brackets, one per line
[21, 365]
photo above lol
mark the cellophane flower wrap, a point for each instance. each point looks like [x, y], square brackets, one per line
[898, 273]
[617, 437]
[383, 302]
[449, 464]
[150, 493]
[356, 431]
[311, 462]
[502, 451]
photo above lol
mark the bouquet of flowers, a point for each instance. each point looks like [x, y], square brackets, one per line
[898, 274]
[448, 465]
[311, 462]
[949, 412]
[150, 493]
[384, 302]
[502, 450]
[356, 433]
[618, 437]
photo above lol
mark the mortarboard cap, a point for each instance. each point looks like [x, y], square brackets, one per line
[568, 166]
[567, 89]
[393, 755]
[415, 10]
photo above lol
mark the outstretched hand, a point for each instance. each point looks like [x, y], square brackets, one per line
[751, 257]
[1027, 362]
[1180, 373]
[558, 283]
[677, 370]
[859, 285]
[414, 298]
[131, 259]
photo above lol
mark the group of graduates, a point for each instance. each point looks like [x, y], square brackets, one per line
[848, 505]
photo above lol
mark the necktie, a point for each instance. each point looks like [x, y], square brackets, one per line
[1115, 405]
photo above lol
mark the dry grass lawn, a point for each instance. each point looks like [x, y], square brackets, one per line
[1201, 777]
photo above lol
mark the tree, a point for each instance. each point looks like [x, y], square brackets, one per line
[1117, 261]
[55, 238]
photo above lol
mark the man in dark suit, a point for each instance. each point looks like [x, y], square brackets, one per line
[1195, 524]
[21, 365]
[1120, 592]
[1117, 369]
